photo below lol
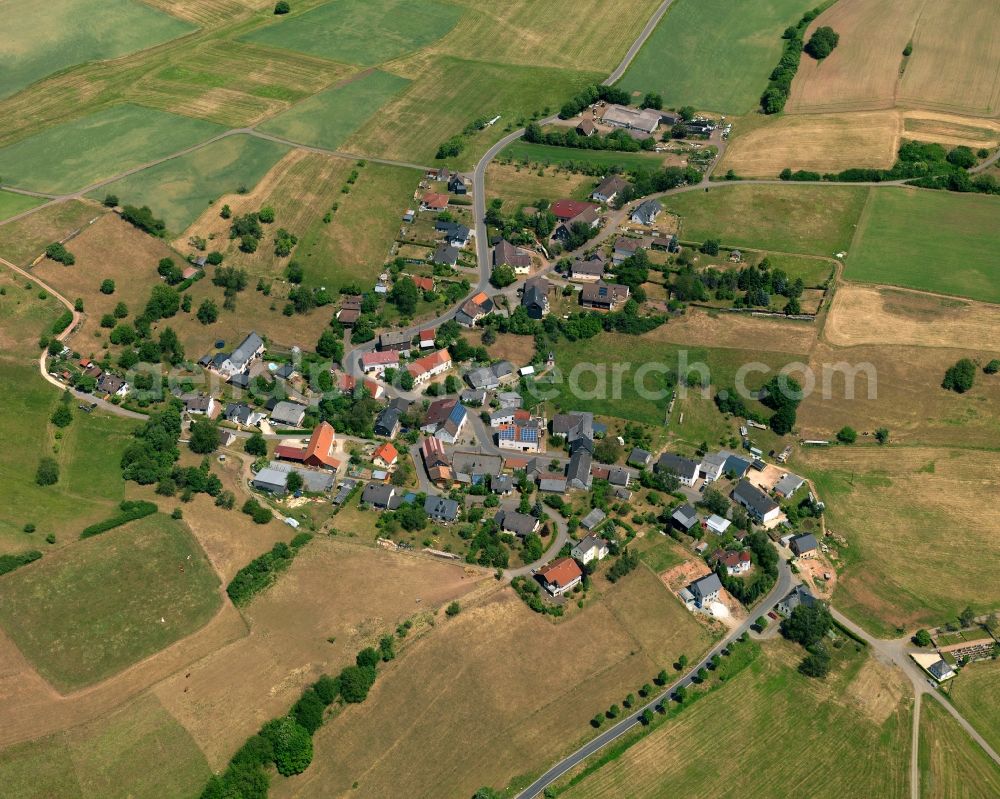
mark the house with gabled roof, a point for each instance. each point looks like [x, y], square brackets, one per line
[590, 548]
[646, 212]
[594, 519]
[377, 362]
[451, 430]
[609, 188]
[604, 296]
[685, 468]
[804, 546]
[385, 455]
[587, 270]
[759, 505]
[429, 366]
[560, 576]
[788, 485]
[684, 518]
[520, 524]
[706, 589]
[506, 254]
[474, 309]
[434, 201]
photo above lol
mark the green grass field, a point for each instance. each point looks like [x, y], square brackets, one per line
[178, 190]
[71, 156]
[365, 32]
[328, 118]
[521, 150]
[88, 451]
[11, 204]
[813, 271]
[931, 240]
[42, 38]
[91, 610]
[840, 749]
[713, 54]
[813, 220]
[976, 694]
[100, 759]
[448, 93]
[355, 244]
[583, 389]
[951, 763]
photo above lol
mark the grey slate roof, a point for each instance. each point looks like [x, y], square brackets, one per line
[246, 350]
[748, 495]
[289, 413]
[705, 586]
[441, 508]
[789, 484]
[803, 543]
[686, 516]
[381, 496]
[683, 467]
[592, 519]
[578, 471]
[639, 458]
[514, 522]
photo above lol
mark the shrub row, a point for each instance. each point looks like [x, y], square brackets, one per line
[64, 320]
[130, 511]
[10, 562]
[259, 573]
[590, 95]
[779, 86]
[286, 742]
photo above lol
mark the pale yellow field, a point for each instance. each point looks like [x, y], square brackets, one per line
[821, 143]
[518, 186]
[955, 64]
[862, 72]
[863, 314]
[950, 129]
[209, 12]
[893, 505]
[466, 708]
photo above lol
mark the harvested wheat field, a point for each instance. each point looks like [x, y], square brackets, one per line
[955, 64]
[856, 734]
[951, 129]
[737, 331]
[893, 505]
[882, 315]
[208, 13]
[463, 709]
[862, 72]
[327, 593]
[821, 143]
[898, 386]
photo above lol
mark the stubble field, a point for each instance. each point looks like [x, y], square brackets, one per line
[854, 727]
[464, 710]
[894, 506]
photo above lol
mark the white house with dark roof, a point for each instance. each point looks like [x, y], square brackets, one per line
[685, 468]
[646, 212]
[240, 359]
[706, 589]
[804, 546]
[590, 548]
[759, 505]
[788, 485]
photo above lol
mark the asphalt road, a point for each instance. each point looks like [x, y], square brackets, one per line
[781, 587]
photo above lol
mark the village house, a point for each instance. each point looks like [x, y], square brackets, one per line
[436, 461]
[436, 414]
[385, 455]
[800, 595]
[685, 468]
[934, 665]
[589, 216]
[388, 422]
[451, 429]
[535, 297]
[759, 505]
[288, 414]
[318, 451]
[434, 201]
[717, 524]
[609, 188]
[706, 589]
[552, 483]
[523, 435]
[455, 233]
[788, 485]
[112, 384]
[646, 120]
[639, 458]
[624, 249]
[491, 377]
[240, 359]
[603, 296]
[446, 255]
[505, 416]
[505, 253]
[474, 309]
[475, 468]
[456, 185]
[377, 362]
[566, 210]
[578, 474]
[441, 509]
[590, 548]
[646, 212]
[712, 466]
[804, 546]
[429, 366]
[382, 495]
[587, 270]
[684, 518]
[560, 576]
[243, 415]
[520, 524]
[200, 405]
[586, 128]
[502, 484]
[395, 341]
[427, 338]
[735, 563]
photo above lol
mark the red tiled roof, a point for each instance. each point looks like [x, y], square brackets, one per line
[380, 358]
[387, 452]
[560, 572]
[428, 334]
[435, 200]
[424, 283]
[345, 382]
[429, 362]
[290, 452]
[320, 444]
[567, 209]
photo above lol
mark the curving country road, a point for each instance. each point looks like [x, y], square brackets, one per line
[781, 587]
